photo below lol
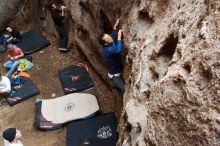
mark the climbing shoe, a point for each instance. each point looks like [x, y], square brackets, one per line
[63, 49]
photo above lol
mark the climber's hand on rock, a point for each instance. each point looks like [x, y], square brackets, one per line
[116, 23]
[63, 7]
[120, 34]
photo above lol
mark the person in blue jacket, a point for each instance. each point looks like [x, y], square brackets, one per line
[112, 48]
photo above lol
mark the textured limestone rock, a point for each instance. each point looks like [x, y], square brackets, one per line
[21, 13]
[172, 95]
[8, 11]
[175, 74]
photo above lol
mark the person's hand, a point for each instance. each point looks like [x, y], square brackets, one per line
[14, 58]
[116, 23]
[9, 39]
[120, 34]
[120, 31]
[53, 6]
[63, 7]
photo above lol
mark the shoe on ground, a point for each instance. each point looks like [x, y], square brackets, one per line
[63, 49]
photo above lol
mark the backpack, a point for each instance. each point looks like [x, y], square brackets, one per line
[21, 67]
[24, 65]
[2, 39]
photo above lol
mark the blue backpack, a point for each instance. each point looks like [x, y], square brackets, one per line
[2, 39]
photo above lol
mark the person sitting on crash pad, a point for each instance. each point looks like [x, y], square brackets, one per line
[112, 48]
[15, 35]
[5, 86]
[11, 137]
[57, 15]
[14, 53]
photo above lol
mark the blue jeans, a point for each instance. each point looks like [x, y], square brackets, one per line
[11, 64]
[119, 84]
[63, 36]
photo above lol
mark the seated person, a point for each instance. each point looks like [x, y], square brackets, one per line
[14, 53]
[5, 86]
[11, 137]
[15, 35]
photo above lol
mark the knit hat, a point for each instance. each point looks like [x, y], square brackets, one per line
[9, 134]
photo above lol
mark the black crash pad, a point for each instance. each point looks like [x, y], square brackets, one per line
[26, 90]
[75, 79]
[33, 41]
[97, 131]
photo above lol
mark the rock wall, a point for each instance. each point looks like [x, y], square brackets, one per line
[173, 90]
[173, 54]
[21, 13]
[8, 11]
[87, 20]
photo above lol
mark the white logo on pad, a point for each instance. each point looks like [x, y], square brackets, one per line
[69, 107]
[104, 132]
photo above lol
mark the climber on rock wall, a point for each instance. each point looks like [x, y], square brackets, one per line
[112, 48]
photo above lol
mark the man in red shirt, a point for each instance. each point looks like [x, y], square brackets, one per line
[14, 53]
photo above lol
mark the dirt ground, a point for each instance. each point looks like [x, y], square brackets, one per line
[47, 62]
